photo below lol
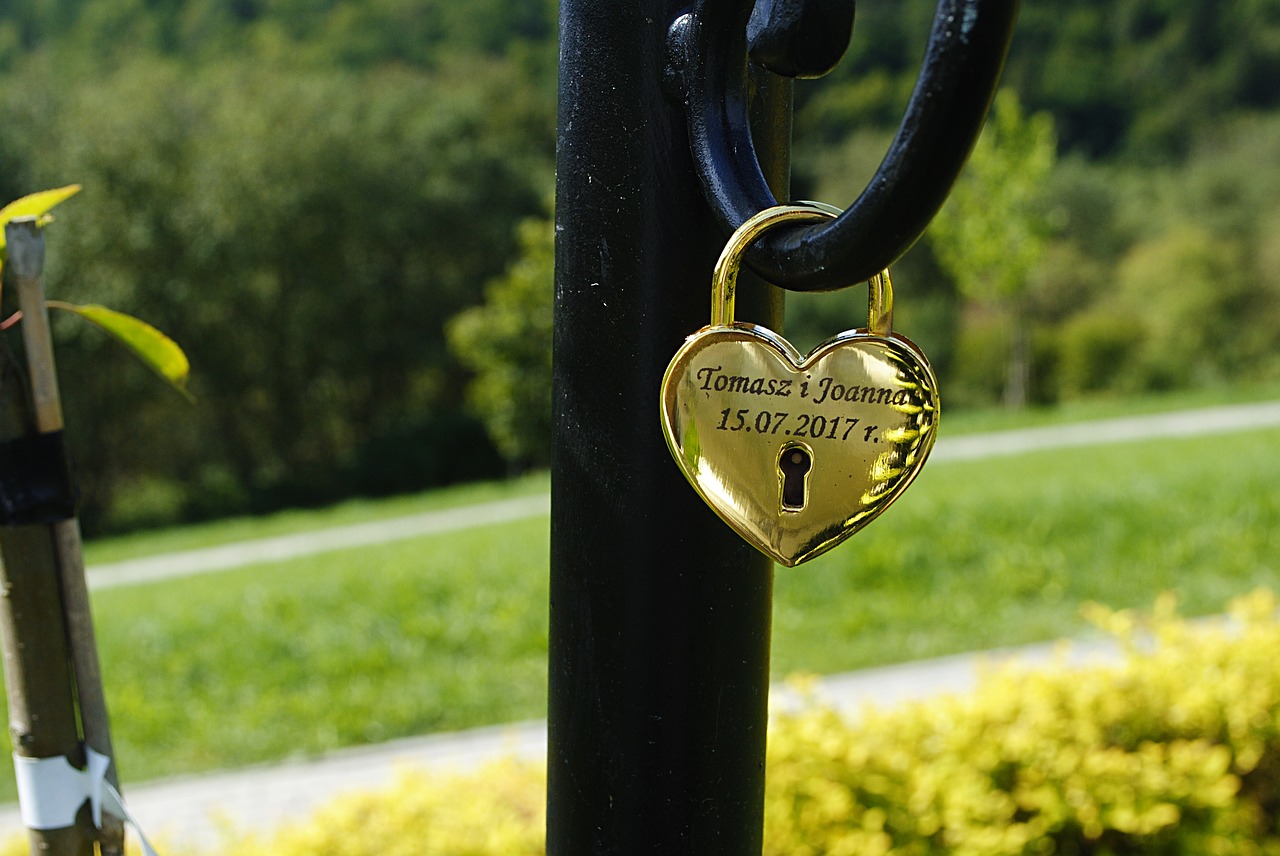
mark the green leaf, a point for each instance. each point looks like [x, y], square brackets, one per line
[36, 205]
[156, 350]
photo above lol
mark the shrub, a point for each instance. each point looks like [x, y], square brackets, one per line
[1186, 288]
[1094, 350]
[500, 810]
[1172, 750]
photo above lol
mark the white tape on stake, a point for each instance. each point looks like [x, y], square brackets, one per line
[51, 792]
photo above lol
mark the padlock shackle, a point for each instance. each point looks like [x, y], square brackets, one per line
[724, 277]
[880, 304]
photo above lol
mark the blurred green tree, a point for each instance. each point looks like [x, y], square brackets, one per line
[993, 230]
[507, 343]
[305, 235]
[304, 191]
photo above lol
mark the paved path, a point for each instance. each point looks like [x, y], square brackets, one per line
[283, 547]
[1130, 429]
[1188, 423]
[191, 811]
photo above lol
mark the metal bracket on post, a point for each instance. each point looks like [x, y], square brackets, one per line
[966, 52]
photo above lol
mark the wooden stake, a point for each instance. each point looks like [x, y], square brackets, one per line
[33, 638]
[26, 261]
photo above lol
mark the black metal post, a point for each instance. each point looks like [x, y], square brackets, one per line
[660, 615]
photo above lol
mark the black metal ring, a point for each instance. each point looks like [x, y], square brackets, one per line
[957, 82]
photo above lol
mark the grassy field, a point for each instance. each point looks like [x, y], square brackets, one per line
[990, 553]
[449, 631]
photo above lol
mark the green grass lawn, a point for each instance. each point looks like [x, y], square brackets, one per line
[983, 554]
[450, 631]
[347, 648]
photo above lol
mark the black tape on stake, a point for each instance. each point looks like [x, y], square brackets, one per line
[36, 485]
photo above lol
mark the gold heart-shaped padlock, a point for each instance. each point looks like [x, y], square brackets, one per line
[797, 453]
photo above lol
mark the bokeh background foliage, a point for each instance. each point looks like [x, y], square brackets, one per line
[304, 228]
[307, 193]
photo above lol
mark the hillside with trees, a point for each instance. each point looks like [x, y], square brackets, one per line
[322, 201]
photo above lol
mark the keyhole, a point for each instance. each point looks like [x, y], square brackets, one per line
[794, 463]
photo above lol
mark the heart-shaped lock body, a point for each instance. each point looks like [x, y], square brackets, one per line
[798, 453]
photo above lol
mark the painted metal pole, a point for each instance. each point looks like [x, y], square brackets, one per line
[660, 615]
[659, 644]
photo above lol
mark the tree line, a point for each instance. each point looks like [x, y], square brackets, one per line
[340, 209]
[305, 236]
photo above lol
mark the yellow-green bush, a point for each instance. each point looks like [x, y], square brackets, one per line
[1173, 749]
[500, 810]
